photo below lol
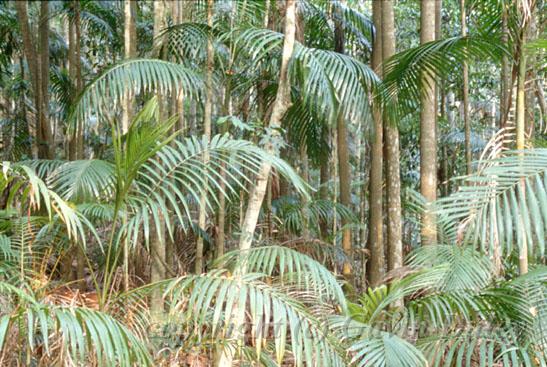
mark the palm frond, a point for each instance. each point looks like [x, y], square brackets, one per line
[505, 204]
[277, 260]
[478, 346]
[220, 294]
[83, 333]
[105, 92]
[34, 193]
[84, 180]
[468, 269]
[177, 176]
[405, 72]
[370, 347]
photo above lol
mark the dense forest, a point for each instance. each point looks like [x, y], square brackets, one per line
[273, 183]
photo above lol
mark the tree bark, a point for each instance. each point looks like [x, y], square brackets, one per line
[206, 133]
[157, 235]
[376, 263]
[393, 177]
[281, 104]
[520, 123]
[35, 59]
[130, 51]
[344, 169]
[428, 138]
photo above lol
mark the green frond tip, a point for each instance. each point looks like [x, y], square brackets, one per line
[504, 205]
[103, 96]
[306, 272]
[370, 347]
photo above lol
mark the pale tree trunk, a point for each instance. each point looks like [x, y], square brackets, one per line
[376, 262]
[206, 133]
[281, 105]
[428, 138]
[465, 94]
[393, 176]
[256, 195]
[130, 51]
[157, 235]
[524, 8]
[344, 169]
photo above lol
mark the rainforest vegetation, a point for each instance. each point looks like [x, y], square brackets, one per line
[273, 183]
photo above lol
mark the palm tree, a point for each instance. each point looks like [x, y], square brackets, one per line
[428, 137]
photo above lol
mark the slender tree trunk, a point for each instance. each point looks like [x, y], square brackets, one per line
[281, 105]
[428, 138]
[76, 143]
[35, 59]
[344, 168]
[465, 94]
[130, 51]
[520, 120]
[256, 195]
[157, 235]
[206, 133]
[393, 177]
[376, 263]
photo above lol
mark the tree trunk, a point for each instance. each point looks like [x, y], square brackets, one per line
[281, 105]
[344, 168]
[376, 263]
[157, 236]
[465, 94]
[76, 140]
[130, 51]
[206, 134]
[256, 195]
[393, 176]
[428, 138]
[35, 60]
[520, 124]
